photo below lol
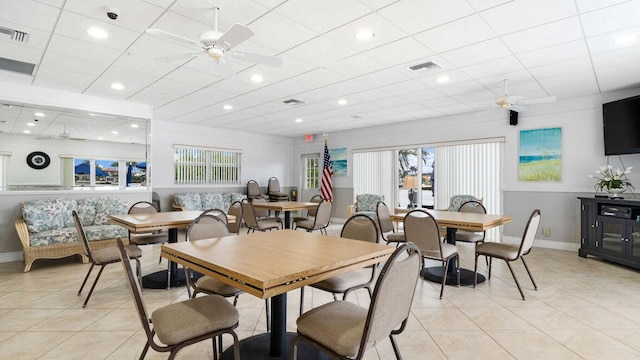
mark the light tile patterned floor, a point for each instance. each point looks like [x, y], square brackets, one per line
[584, 309]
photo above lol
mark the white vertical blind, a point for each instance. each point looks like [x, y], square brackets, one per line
[473, 169]
[4, 164]
[206, 166]
[374, 173]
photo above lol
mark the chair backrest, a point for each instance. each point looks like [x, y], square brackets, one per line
[260, 212]
[529, 233]
[249, 215]
[253, 189]
[472, 206]
[155, 200]
[360, 227]
[315, 199]
[136, 292]
[422, 229]
[273, 185]
[82, 236]
[323, 214]
[142, 207]
[393, 294]
[367, 202]
[219, 213]
[235, 209]
[384, 217]
[206, 226]
[457, 200]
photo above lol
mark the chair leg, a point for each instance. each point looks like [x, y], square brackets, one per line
[529, 272]
[396, 350]
[144, 351]
[85, 279]
[475, 271]
[515, 279]
[187, 279]
[489, 272]
[235, 300]
[458, 268]
[168, 275]
[444, 277]
[267, 310]
[139, 273]
[93, 286]
[215, 348]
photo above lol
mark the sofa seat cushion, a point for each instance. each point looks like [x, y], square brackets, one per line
[87, 210]
[56, 236]
[190, 201]
[106, 207]
[211, 201]
[48, 214]
[100, 232]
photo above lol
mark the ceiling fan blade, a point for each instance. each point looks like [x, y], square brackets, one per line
[517, 108]
[173, 37]
[234, 36]
[177, 57]
[513, 99]
[224, 68]
[257, 58]
[538, 100]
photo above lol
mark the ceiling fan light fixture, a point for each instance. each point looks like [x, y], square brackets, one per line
[215, 53]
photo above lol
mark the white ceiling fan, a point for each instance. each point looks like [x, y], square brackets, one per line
[218, 45]
[63, 136]
[516, 103]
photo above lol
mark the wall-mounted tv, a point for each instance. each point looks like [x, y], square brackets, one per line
[621, 121]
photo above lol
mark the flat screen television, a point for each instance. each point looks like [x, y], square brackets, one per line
[621, 121]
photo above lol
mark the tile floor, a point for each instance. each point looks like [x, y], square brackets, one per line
[584, 309]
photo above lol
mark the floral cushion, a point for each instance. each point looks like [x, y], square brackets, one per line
[367, 202]
[56, 236]
[48, 214]
[100, 232]
[457, 200]
[87, 211]
[230, 198]
[190, 201]
[211, 201]
[109, 206]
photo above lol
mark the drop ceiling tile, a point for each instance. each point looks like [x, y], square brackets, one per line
[618, 57]
[453, 109]
[321, 51]
[355, 66]
[477, 53]
[38, 39]
[483, 95]
[587, 87]
[437, 102]
[562, 52]
[346, 87]
[134, 14]
[424, 95]
[61, 79]
[575, 79]
[461, 88]
[377, 4]
[519, 15]
[75, 26]
[290, 66]
[607, 42]
[319, 94]
[270, 28]
[455, 77]
[518, 82]
[73, 64]
[480, 5]
[370, 95]
[397, 102]
[206, 65]
[231, 11]
[30, 13]
[539, 37]
[193, 77]
[57, 3]
[590, 5]
[493, 67]
[322, 16]
[384, 32]
[616, 77]
[613, 18]
[561, 68]
[143, 64]
[82, 49]
[382, 78]
[18, 52]
[416, 15]
[456, 34]
[319, 77]
[406, 87]
[154, 97]
[399, 52]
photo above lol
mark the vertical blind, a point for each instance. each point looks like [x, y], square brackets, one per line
[373, 173]
[4, 164]
[206, 166]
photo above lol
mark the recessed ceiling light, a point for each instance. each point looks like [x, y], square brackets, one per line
[443, 79]
[31, 124]
[227, 107]
[114, 132]
[100, 138]
[97, 33]
[39, 114]
[626, 39]
[135, 126]
[257, 78]
[26, 131]
[342, 102]
[117, 86]
[298, 120]
[364, 34]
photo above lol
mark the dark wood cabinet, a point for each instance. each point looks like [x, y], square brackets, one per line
[610, 230]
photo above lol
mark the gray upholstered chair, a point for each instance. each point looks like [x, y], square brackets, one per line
[357, 227]
[251, 221]
[219, 213]
[263, 214]
[253, 189]
[387, 230]
[147, 238]
[311, 213]
[101, 257]
[182, 323]
[320, 221]
[422, 229]
[273, 190]
[345, 330]
[510, 253]
[235, 209]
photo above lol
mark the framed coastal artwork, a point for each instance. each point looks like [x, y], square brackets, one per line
[339, 161]
[540, 156]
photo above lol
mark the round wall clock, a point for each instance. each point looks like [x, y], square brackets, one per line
[38, 160]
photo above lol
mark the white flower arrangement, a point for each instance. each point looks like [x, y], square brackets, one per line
[612, 179]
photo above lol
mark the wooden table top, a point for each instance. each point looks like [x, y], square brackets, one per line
[463, 220]
[158, 221]
[285, 205]
[266, 264]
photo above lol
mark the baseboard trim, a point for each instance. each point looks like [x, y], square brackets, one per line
[10, 256]
[546, 244]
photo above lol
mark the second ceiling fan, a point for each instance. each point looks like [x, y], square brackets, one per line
[516, 103]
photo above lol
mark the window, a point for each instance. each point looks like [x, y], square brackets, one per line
[206, 166]
[311, 173]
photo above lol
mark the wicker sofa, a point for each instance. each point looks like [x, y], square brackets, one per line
[47, 231]
[206, 200]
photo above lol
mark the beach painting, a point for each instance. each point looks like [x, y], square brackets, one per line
[540, 155]
[339, 161]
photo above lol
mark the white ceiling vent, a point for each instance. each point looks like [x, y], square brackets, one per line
[428, 66]
[16, 35]
[17, 66]
[293, 102]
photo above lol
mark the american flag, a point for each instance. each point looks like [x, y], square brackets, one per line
[326, 188]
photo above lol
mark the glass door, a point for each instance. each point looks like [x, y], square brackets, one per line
[416, 178]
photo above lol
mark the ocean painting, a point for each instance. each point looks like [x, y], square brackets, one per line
[339, 161]
[540, 155]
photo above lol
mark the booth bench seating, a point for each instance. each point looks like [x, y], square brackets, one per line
[47, 231]
[204, 201]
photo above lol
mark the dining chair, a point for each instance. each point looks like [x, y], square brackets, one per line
[472, 237]
[274, 192]
[320, 221]
[182, 323]
[311, 213]
[387, 230]
[102, 257]
[253, 189]
[357, 227]
[146, 238]
[345, 330]
[210, 226]
[422, 229]
[235, 209]
[251, 221]
[510, 253]
[219, 213]
[263, 214]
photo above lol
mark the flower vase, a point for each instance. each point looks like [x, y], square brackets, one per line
[615, 192]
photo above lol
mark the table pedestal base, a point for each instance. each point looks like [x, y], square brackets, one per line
[435, 274]
[257, 348]
[158, 280]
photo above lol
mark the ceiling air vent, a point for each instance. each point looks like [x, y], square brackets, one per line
[428, 66]
[16, 35]
[293, 102]
[17, 66]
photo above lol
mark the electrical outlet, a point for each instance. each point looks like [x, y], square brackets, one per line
[546, 232]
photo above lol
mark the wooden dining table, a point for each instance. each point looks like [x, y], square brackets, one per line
[171, 221]
[270, 264]
[454, 221]
[286, 207]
